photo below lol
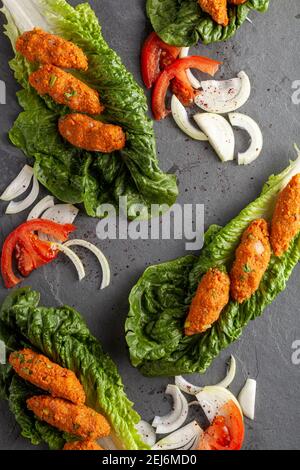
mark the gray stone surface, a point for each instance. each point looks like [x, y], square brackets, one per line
[268, 51]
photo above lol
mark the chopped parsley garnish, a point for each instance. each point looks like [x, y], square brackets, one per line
[247, 268]
[21, 357]
[71, 94]
[52, 80]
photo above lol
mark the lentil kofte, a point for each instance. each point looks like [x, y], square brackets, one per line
[78, 420]
[286, 218]
[44, 48]
[211, 297]
[66, 89]
[217, 9]
[251, 261]
[87, 133]
[41, 372]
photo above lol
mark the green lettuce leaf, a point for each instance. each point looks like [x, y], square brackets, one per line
[160, 300]
[183, 23]
[71, 174]
[62, 335]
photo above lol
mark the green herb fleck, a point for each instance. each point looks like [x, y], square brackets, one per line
[71, 94]
[251, 236]
[21, 357]
[52, 80]
[247, 268]
[27, 371]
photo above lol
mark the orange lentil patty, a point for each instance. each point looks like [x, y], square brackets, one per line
[89, 134]
[78, 420]
[211, 297]
[45, 48]
[251, 261]
[217, 9]
[66, 89]
[43, 373]
[286, 218]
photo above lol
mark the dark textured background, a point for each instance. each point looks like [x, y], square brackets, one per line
[268, 51]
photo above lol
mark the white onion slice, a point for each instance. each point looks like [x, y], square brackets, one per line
[100, 256]
[191, 77]
[182, 120]
[185, 438]
[20, 206]
[147, 432]
[61, 213]
[191, 389]
[219, 132]
[248, 124]
[41, 207]
[247, 397]
[224, 96]
[173, 420]
[186, 386]
[19, 185]
[213, 398]
[73, 257]
[230, 374]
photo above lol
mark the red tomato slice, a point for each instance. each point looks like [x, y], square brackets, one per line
[226, 431]
[30, 252]
[156, 56]
[177, 71]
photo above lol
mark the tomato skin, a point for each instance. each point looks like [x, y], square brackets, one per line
[177, 71]
[156, 55]
[31, 252]
[9, 278]
[226, 431]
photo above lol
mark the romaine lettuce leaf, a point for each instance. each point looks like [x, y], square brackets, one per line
[71, 174]
[163, 294]
[62, 335]
[183, 23]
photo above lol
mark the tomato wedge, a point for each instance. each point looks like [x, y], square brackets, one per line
[226, 431]
[177, 73]
[30, 251]
[156, 56]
